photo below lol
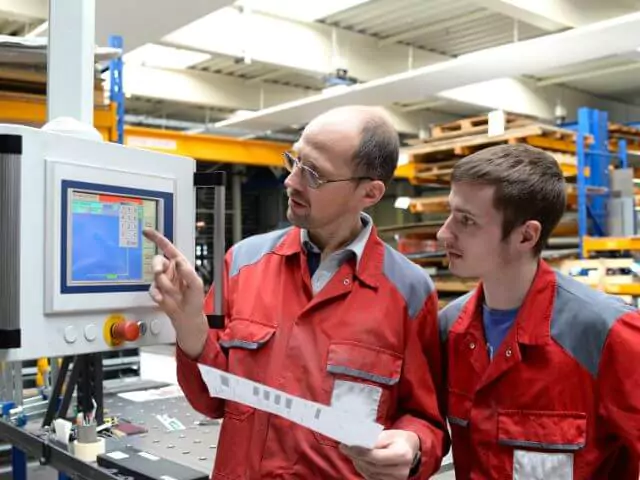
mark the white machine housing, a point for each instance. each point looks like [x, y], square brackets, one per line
[55, 316]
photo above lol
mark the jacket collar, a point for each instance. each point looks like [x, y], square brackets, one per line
[533, 321]
[356, 247]
[369, 268]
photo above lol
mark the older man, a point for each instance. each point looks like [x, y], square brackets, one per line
[323, 310]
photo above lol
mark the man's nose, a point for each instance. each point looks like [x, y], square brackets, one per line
[444, 234]
[294, 180]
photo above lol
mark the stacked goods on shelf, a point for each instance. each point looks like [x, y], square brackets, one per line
[432, 162]
[624, 132]
[23, 79]
[617, 276]
[29, 83]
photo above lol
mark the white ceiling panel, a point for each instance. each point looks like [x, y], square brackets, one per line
[528, 57]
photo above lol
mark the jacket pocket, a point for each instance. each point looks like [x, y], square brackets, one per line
[544, 443]
[458, 416]
[363, 376]
[458, 409]
[246, 342]
[362, 380]
[245, 334]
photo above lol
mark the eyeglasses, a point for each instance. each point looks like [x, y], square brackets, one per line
[311, 178]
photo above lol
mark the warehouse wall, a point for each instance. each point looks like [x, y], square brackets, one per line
[386, 214]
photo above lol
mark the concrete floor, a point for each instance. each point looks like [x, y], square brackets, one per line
[446, 476]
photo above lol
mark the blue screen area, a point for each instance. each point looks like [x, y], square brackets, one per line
[102, 248]
[107, 244]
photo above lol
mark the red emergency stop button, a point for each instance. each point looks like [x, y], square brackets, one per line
[127, 331]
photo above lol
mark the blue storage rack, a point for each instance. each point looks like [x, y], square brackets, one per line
[594, 158]
[117, 92]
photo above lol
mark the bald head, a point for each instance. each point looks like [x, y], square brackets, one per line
[365, 133]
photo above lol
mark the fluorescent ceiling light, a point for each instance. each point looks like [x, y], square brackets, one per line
[301, 10]
[159, 56]
[242, 113]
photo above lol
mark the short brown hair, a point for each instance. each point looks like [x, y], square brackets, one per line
[529, 185]
[378, 151]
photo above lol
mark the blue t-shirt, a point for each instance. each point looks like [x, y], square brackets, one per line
[496, 325]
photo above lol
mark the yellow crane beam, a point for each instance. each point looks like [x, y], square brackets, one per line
[32, 110]
[29, 110]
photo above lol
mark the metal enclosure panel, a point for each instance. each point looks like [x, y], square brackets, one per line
[75, 324]
[10, 153]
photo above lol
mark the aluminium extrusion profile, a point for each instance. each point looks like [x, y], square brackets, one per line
[51, 454]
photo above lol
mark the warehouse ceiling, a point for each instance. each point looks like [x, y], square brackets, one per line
[211, 61]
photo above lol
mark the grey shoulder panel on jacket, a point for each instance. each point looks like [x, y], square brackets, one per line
[582, 318]
[252, 249]
[450, 313]
[413, 283]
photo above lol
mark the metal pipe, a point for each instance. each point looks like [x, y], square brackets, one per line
[219, 242]
[70, 59]
[236, 198]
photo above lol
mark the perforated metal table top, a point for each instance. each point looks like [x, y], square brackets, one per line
[194, 446]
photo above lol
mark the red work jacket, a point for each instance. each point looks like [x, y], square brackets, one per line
[561, 398]
[359, 344]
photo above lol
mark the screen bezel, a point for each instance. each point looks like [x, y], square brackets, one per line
[164, 225]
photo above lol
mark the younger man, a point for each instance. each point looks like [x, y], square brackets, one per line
[542, 371]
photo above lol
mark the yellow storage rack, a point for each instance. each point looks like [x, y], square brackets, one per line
[431, 163]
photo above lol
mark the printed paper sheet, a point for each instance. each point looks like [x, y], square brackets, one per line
[341, 426]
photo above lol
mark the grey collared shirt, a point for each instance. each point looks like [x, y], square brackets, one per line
[330, 265]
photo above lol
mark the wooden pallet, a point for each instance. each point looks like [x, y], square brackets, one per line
[625, 131]
[435, 158]
[568, 227]
[619, 132]
[32, 83]
[474, 125]
[99, 100]
[431, 170]
[439, 204]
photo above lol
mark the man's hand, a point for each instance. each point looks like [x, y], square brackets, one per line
[390, 459]
[179, 292]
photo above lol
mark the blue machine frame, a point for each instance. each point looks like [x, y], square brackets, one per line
[117, 85]
[593, 190]
[167, 222]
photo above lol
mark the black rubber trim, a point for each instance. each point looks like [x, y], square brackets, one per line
[10, 339]
[216, 321]
[11, 144]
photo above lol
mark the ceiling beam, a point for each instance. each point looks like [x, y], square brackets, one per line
[212, 90]
[554, 15]
[313, 48]
[132, 20]
[127, 18]
[530, 57]
[204, 89]
[544, 14]
[527, 97]
[24, 10]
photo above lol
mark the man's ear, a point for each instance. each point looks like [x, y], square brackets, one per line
[530, 234]
[373, 192]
